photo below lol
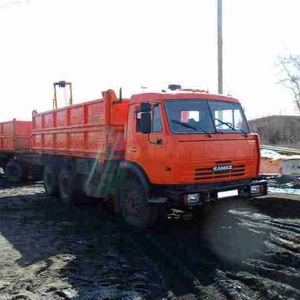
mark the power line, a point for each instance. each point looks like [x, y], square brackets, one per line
[13, 3]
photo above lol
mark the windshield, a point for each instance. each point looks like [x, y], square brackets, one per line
[202, 116]
[228, 116]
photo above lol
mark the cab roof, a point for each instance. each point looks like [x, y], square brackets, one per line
[179, 94]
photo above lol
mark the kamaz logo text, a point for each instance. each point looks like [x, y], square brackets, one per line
[222, 168]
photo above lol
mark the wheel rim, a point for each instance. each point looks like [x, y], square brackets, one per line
[132, 203]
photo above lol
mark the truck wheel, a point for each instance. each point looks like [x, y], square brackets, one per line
[134, 207]
[66, 186]
[14, 172]
[50, 180]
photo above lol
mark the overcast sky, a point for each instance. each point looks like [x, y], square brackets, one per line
[101, 44]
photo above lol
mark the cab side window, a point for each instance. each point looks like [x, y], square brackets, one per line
[138, 121]
[156, 120]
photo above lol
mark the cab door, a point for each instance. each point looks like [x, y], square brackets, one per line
[148, 151]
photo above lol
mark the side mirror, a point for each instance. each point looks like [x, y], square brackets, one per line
[146, 123]
[145, 107]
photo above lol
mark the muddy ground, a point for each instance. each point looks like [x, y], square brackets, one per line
[237, 249]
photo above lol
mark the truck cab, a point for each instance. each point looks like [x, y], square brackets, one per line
[192, 147]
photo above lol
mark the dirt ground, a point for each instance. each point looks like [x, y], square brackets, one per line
[235, 250]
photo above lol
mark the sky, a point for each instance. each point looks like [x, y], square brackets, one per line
[101, 44]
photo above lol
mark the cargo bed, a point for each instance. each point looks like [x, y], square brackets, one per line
[15, 135]
[90, 129]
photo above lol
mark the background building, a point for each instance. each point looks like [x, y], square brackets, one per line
[278, 130]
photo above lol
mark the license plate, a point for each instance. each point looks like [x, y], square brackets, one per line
[228, 194]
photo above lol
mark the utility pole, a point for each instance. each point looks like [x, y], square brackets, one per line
[220, 47]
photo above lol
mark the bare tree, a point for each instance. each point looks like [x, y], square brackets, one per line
[290, 74]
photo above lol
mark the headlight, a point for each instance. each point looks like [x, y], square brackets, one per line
[192, 198]
[255, 189]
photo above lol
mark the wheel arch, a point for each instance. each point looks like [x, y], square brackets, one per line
[131, 168]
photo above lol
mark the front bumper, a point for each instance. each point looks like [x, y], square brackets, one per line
[178, 195]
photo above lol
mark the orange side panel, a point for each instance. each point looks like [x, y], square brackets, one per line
[23, 128]
[37, 141]
[37, 122]
[77, 115]
[119, 113]
[48, 141]
[8, 129]
[61, 141]
[95, 113]
[61, 118]
[7, 143]
[48, 120]
[96, 140]
[90, 129]
[15, 135]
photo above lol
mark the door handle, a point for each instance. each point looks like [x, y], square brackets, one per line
[133, 149]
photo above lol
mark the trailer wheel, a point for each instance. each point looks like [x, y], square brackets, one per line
[66, 186]
[50, 180]
[133, 205]
[14, 172]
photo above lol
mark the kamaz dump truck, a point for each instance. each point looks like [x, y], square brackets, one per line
[154, 151]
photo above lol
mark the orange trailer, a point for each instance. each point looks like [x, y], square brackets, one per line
[15, 135]
[16, 157]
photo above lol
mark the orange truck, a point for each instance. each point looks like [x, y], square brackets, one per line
[15, 140]
[177, 148]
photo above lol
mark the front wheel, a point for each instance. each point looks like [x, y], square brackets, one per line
[134, 207]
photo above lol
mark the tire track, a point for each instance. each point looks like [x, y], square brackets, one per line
[180, 260]
[235, 250]
[179, 280]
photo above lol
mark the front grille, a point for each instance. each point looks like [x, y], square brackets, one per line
[208, 173]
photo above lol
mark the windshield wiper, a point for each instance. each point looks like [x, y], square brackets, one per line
[190, 126]
[232, 127]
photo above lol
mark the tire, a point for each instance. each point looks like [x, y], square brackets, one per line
[133, 205]
[50, 180]
[66, 186]
[14, 172]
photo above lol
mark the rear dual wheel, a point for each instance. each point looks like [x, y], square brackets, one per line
[60, 183]
[66, 186]
[50, 180]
